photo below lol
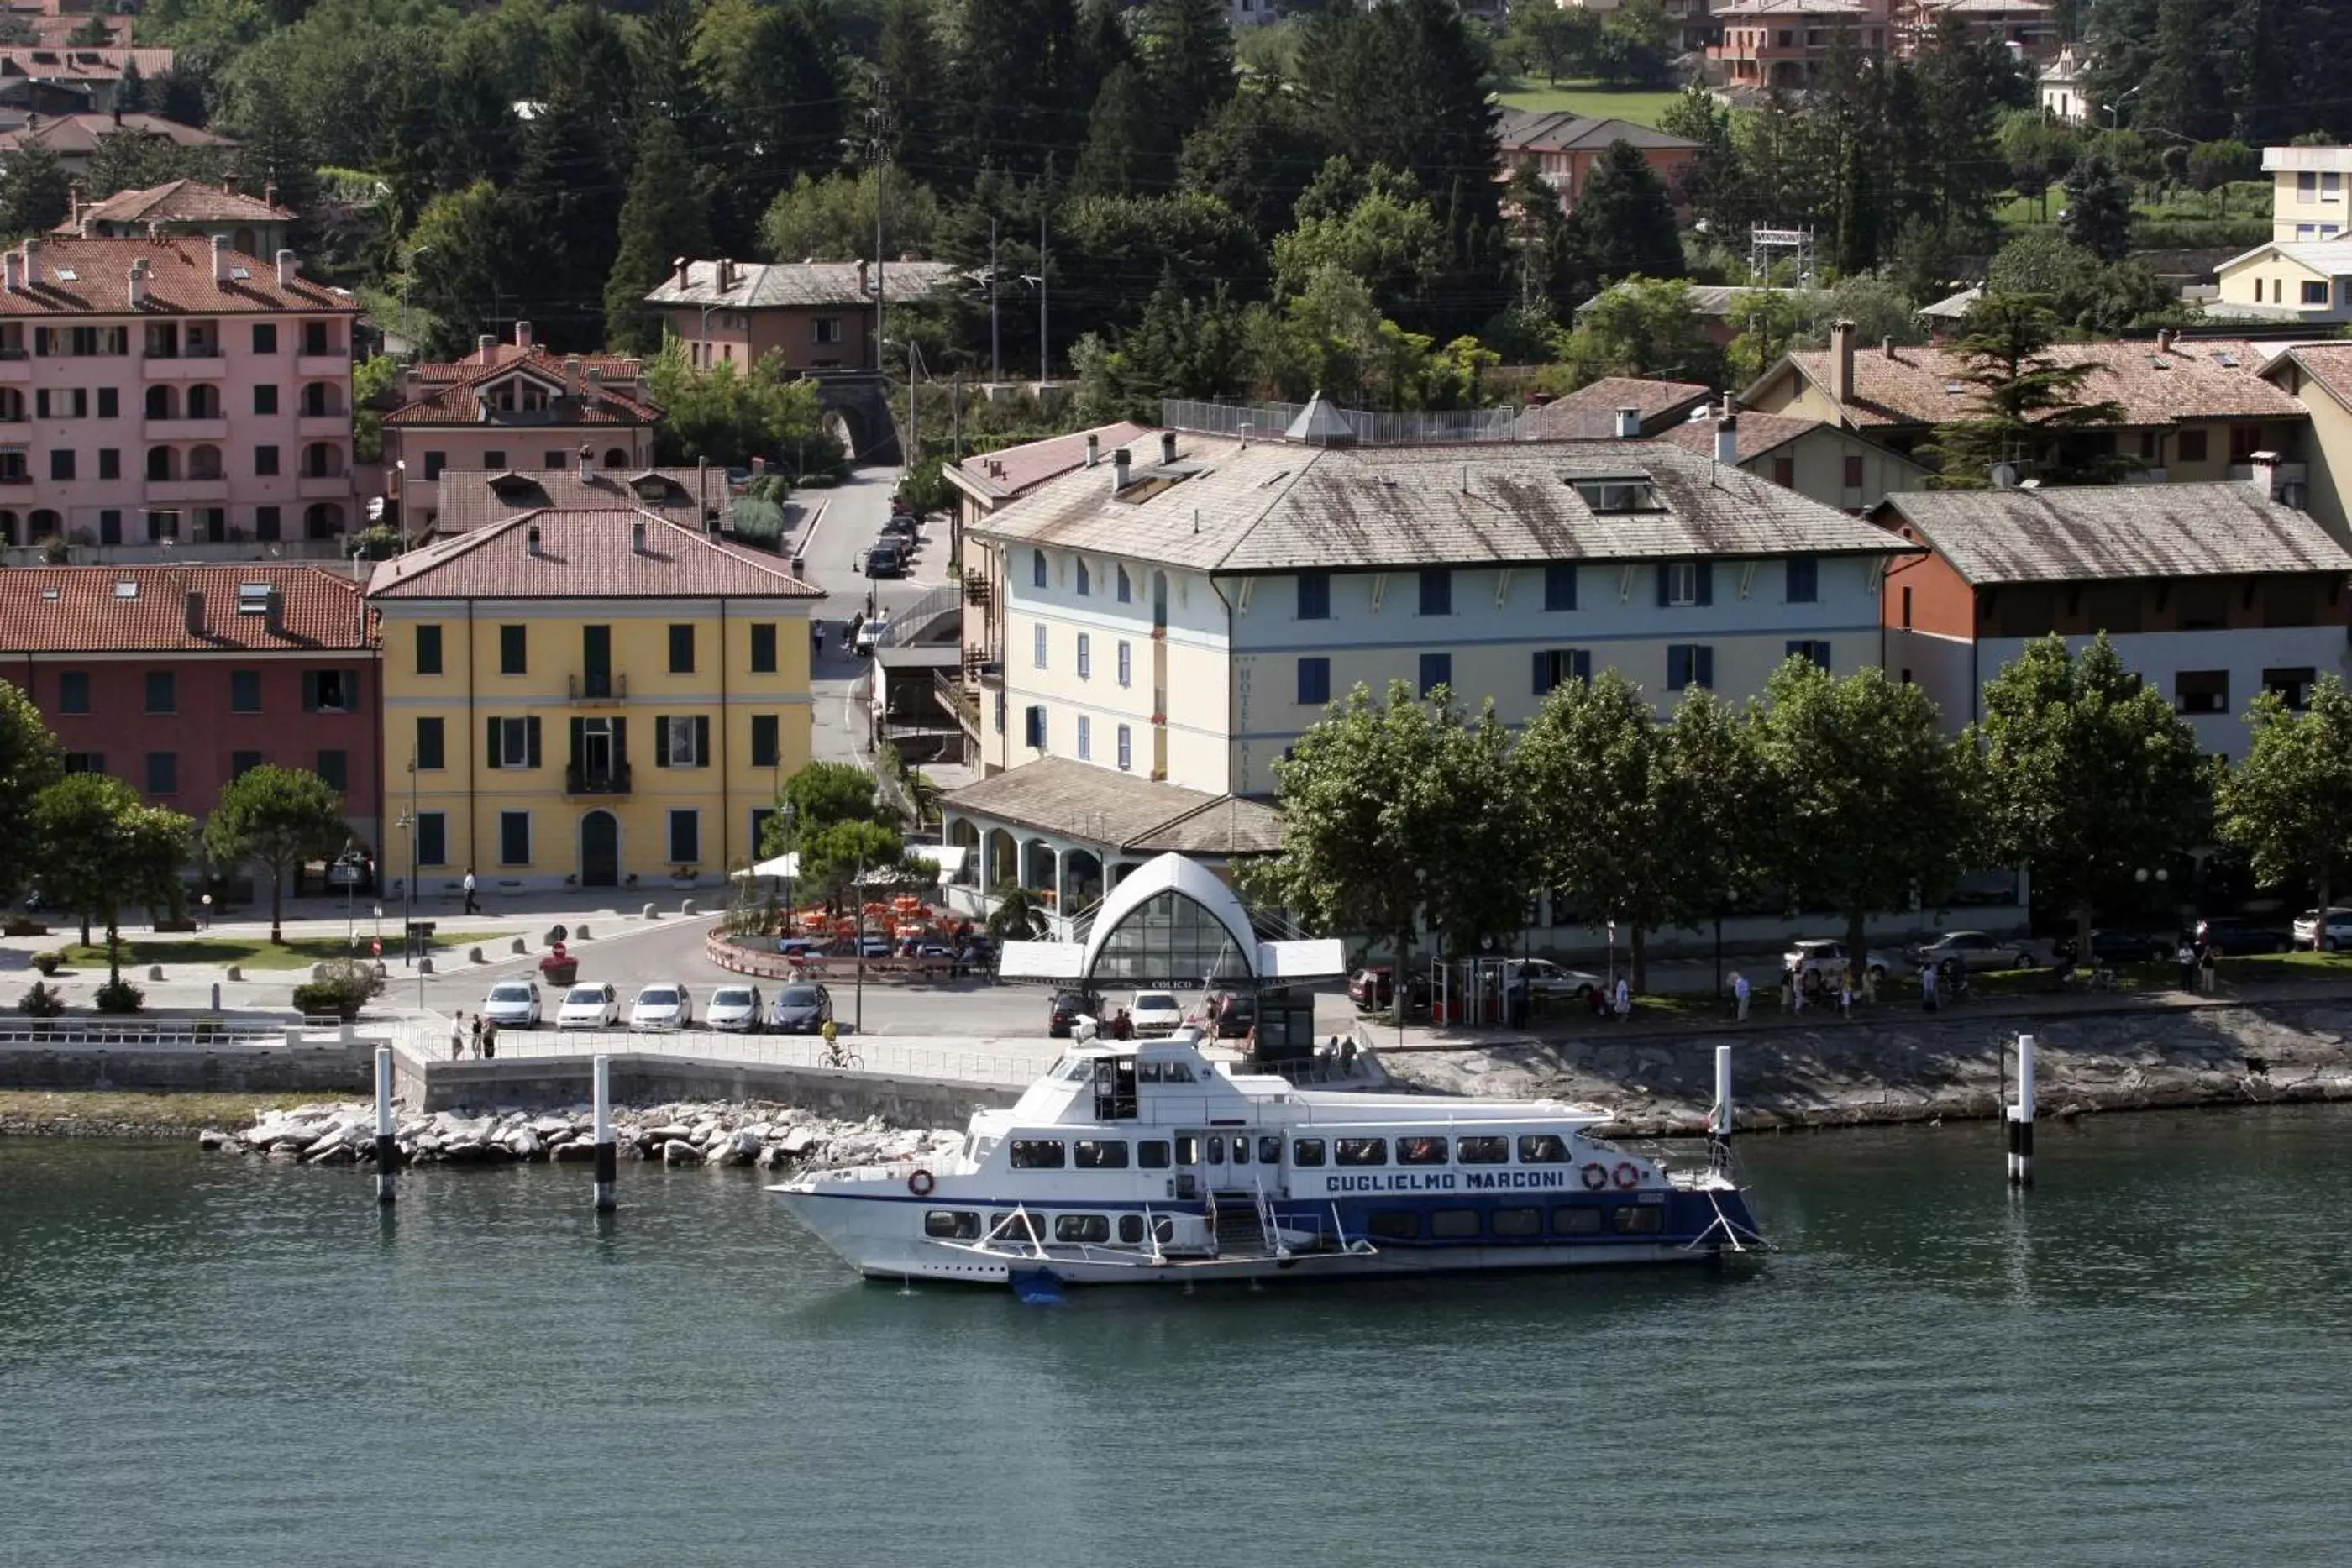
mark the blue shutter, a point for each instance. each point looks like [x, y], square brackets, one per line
[1666, 581]
[1707, 667]
[1706, 582]
[1542, 671]
[1581, 665]
[1560, 587]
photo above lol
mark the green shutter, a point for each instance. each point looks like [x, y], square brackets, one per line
[661, 742]
[490, 743]
[702, 740]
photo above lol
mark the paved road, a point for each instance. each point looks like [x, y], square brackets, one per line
[831, 556]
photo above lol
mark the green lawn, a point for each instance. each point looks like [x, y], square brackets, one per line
[1643, 106]
[253, 952]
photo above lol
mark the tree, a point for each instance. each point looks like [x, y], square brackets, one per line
[29, 763]
[1017, 916]
[1127, 147]
[1016, 66]
[1387, 237]
[1257, 154]
[1869, 806]
[662, 219]
[831, 218]
[729, 413]
[838, 857]
[1188, 52]
[2289, 804]
[1644, 328]
[1636, 46]
[103, 847]
[95, 32]
[35, 191]
[822, 795]
[279, 817]
[2089, 774]
[2027, 402]
[1715, 184]
[1553, 41]
[1625, 221]
[468, 257]
[912, 79]
[774, 72]
[2098, 209]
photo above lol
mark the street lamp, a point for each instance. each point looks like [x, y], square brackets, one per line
[2109, 109]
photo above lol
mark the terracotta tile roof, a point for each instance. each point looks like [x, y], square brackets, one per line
[181, 202]
[626, 368]
[81, 609]
[2329, 364]
[78, 135]
[2198, 378]
[1592, 411]
[1011, 470]
[1275, 507]
[43, 63]
[762, 286]
[181, 281]
[472, 497]
[456, 400]
[1124, 810]
[2084, 533]
[585, 554]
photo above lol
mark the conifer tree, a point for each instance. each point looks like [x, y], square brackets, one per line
[1625, 222]
[661, 220]
[913, 83]
[1188, 48]
[2027, 402]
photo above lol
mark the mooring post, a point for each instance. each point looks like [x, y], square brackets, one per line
[1719, 1121]
[2020, 1117]
[387, 1157]
[607, 1162]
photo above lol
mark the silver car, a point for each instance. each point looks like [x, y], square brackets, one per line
[1973, 950]
[513, 1004]
[735, 1009]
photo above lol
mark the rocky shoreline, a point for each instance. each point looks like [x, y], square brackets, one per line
[769, 1136]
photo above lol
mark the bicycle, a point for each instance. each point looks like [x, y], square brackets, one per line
[836, 1054]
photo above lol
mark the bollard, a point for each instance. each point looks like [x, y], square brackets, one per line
[237, 971]
[518, 946]
[473, 955]
[154, 971]
[1718, 1120]
[651, 913]
[2020, 1117]
[579, 932]
[216, 994]
[686, 906]
[386, 1156]
[607, 1163]
[424, 965]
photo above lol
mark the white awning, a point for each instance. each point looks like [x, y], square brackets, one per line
[783, 865]
[1041, 961]
[1318, 960]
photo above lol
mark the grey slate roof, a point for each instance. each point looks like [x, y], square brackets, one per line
[772, 285]
[1273, 506]
[1124, 810]
[2109, 532]
[1559, 130]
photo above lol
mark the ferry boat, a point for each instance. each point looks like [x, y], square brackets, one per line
[1133, 1163]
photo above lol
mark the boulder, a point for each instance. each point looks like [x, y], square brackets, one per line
[737, 1149]
[549, 1126]
[338, 1155]
[800, 1141]
[523, 1143]
[211, 1138]
[678, 1152]
[667, 1133]
[583, 1150]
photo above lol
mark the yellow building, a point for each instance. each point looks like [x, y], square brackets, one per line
[591, 698]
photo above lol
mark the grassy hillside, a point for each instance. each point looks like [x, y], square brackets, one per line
[1641, 105]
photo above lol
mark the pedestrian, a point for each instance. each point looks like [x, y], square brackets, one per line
[2206, 965]
[457, 1037]
[1927, 987]
[1870, 984]
[473, 905]
[1797, 978]
[2186, 957]
[1788, 987]
[1739, 995]
[478, 1034]
[1624, 1000]
[489, 1040]
[1348, 1056]
[1845, 992]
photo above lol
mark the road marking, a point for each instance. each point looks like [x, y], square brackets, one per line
[816, 521]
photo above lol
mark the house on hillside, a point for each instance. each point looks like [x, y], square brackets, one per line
[255, 226]
[74, 138]
[819, 315]
[1564, 147]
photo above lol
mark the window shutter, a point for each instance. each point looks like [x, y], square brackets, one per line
[1581, 665]
[1665, 582]
[702, 740]
[661, 742]
[1706, 671]
[1706, 582]
[490, 743]
[310, 691]
[352, 690]
[1543, 670]
[530, 741]
[620, 743]
[579, 731]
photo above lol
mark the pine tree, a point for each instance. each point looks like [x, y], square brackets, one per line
[1623, 221]
[1188, 48]
[568, 193]
[1017, 66]
[2185, 90]
[2098, 209]
[274, 148]
[661, 220]
[1257, 154]
[130, 92]
[2027, 402]
[1126, 149]
[35, 191]
[913, 82]
[1957, 100]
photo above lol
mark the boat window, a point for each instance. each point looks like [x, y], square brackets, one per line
[1306, 1151]
[1454, 1224]
[1130, 1229]
[1175, 1072]
[1163, 1230]
[1581, 1220]
[1515, 1221]
[1188, 1149]
[1542, 1149]
[1012, 1228]
[1639, 1219]
[1147, 1071]
[1362, 1151]
[952, 1224]
[1099, 1154]
[1491, 1150]
[1038, 1155]
[1082, 1228]
[1419, 1151]
[1241, 1148]
[1269, 1149]
[1152, 1153]
[1216, 1148]
[1394, 1224]
[1076, 1069]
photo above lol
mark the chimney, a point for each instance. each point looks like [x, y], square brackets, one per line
[192, 603]
[1729, 407]
[759, 467]
[1120, 470]
[571, 370]
[269, 193]
[1841, 362]
[1629, 423]
[637, 538]
[725, 273]
[863, 286]
[286, 269]
[32, 261]
[2264, 474]
[73, 206]
[1727, 440]
[531, 539]
[15, 273]
[522, 334]
[273, 619]
[220, 258]
[138, 282]
[587, 463]
[1167, 447]
[702, 490]
[483, 345]
[2164, 336]
[1093, 449]
[1887, 347]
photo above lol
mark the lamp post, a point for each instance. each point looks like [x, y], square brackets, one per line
[792, 847]
[857, 894]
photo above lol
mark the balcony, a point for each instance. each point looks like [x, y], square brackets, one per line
[323, 487]
[186, 430]
[613, 779]
[176, 492]
[15, 370]
[185, 366]
[323, 427]
[322, 367]
[596, 688]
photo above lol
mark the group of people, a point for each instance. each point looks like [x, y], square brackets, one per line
[485, 1038]
[2197, 956]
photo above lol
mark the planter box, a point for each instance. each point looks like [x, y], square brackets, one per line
[560, 974]
[26, 929]
[164, 925]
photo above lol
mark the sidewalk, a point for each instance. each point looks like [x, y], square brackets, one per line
[505, 914]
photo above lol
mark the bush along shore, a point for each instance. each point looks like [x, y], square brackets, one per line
[765, 1136]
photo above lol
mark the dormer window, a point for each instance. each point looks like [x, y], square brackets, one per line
[1635, 493]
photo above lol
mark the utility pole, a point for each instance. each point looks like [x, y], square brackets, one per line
[995, 342]
[1045, 337]
[879, 117]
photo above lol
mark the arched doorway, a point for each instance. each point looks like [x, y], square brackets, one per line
[599, 850]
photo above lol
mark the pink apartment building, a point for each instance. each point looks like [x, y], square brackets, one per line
[170, 388]
[515, 406]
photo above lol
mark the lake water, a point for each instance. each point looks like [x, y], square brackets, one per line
[2148, 1360]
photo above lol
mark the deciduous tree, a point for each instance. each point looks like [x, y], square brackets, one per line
[2288, 805]
[103, 847]
[280, 818]
[29, 763]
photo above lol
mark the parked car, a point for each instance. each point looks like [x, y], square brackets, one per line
[1066, 1008]
[735, 1009]
[1822, 957]
[513, 1004]
[661, 1006]
[1230, 1014]
[2337, 936]
[1552, 981]
[801, 1009]
[1371, 989]
[799, 948]
[901, 526]
[884, 560]
[1972, 950]
[2235, 934]
[870, 631]
[589, 1007]
[1155, 1013]
[2110, 946]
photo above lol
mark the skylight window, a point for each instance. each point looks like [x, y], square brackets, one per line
[240, 273]
[49, 593]
[68, 275]
[253, 599]
[1634, 493]
[126, 589]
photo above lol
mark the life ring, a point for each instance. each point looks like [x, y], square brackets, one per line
[920, 1184]
[1595, 1179]
[1627, 1175]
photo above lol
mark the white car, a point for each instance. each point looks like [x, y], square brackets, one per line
[1155, 1013]
[662, 1006]
[589, 1007]
[1973, 950]
[1824, 957]
[735, 1009]
[513, 1004]
[1553, 981]
[870, 631]
[2338, 936]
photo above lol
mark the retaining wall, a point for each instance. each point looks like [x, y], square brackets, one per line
[334, 1069]
[529, 1083]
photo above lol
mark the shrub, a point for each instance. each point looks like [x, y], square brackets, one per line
[120, 996]
[43, 1001]
[48, 961]
[338, 987]
[381, 542]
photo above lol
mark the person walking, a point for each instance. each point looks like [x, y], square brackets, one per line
[2186, 957]
[2207, 962]
[1845, 992]
[478, 1034]
[1927, 987]
[489, 1041]
[1624, 1000]
[473, 905]
[457, 1035]
[1739, 995]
